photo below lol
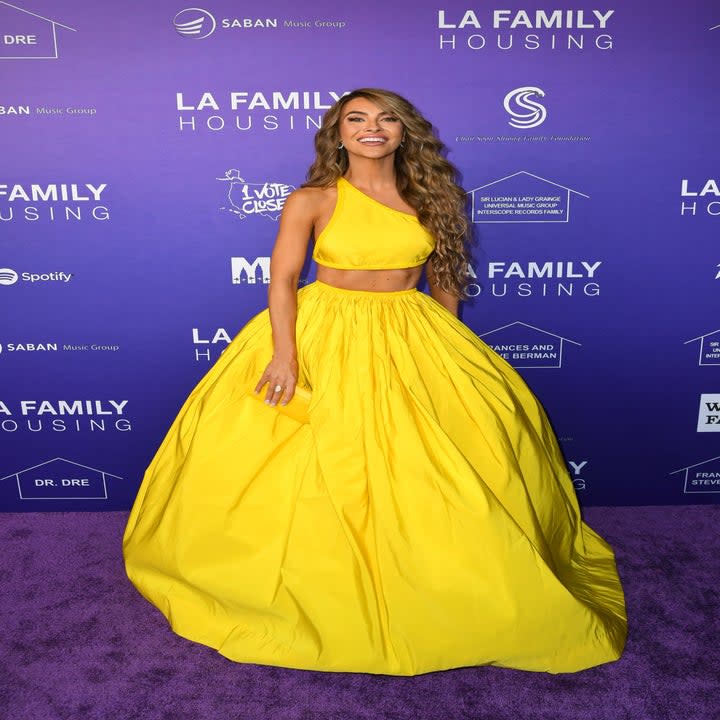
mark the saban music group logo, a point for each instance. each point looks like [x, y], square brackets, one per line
[47, 110]
[48, 346]
[194, 23]
[197, 23]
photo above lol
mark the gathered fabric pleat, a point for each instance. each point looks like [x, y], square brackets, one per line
[423, 519]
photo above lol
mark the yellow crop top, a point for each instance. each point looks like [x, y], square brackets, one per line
[365, 234]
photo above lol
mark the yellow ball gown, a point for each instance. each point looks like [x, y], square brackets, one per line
[416, 515]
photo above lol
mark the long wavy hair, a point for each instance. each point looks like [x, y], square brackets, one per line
[425, 180]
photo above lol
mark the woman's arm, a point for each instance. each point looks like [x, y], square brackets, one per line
[446, 299]
[286, 261]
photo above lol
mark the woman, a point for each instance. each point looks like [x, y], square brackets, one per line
[398, 503]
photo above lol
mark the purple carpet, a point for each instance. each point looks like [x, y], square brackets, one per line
[78, 642]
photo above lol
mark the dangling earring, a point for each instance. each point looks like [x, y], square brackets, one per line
[340, 146]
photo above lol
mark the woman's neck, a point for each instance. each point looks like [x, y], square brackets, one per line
[372, 173]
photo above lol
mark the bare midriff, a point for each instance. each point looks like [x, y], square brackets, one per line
[388, 279]
[379, 280]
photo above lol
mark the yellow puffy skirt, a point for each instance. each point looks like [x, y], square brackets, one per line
[423, 518]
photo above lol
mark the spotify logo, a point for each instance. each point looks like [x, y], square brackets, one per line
[8, 276]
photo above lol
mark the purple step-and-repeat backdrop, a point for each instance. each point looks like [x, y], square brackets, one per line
[148, 149]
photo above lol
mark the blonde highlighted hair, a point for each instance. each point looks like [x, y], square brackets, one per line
[425, 180]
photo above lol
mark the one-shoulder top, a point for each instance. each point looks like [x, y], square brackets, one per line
[363, 233]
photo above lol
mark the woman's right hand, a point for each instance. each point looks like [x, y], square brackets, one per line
[282, 371]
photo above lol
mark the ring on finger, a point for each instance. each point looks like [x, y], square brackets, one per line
[278, 388]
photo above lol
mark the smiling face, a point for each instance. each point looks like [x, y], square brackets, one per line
[369, 131]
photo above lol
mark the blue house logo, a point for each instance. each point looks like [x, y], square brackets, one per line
[526, 346]
[61, 479]
[703, 477]
[709, 348]
[522, 198]
[26, 35]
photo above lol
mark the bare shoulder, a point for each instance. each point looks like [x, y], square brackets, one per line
[306, 206]
[309, 200]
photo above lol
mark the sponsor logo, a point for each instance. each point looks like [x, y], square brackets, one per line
[56, 201]
[56, 111]
[197, 23]
[47, 346]
[64, 415]
[25, 35]
[709, 348]
[549, 278]
[8, 276]
[521, 138]
[250, 111]
[29, 347]
[252, 272]
[18, 110]
[703, 477]
[14, 109]
[61, 479]
[194, 23]
[532, 30]
[526, 346]
[209, 346]
[709, 413]
[245, 199]
[521, 198]
[577, 472]
[701, 197]
[94, 347]
[525, 113]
